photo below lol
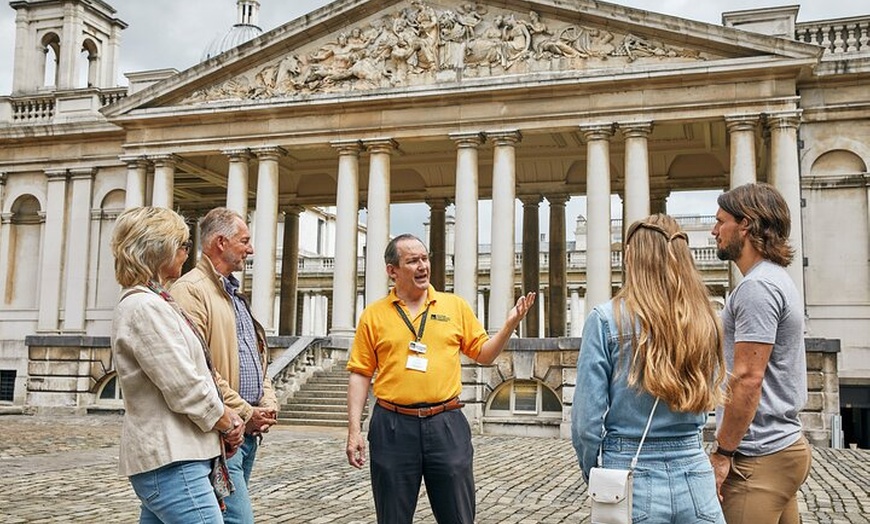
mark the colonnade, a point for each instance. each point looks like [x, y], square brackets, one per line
[639, 201]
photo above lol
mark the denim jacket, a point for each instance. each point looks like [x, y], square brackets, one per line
[598, 387]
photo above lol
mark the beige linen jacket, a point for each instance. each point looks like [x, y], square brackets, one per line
[170, 400]
[201, 293]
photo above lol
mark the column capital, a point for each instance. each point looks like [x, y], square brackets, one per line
[292, 209]
[599, 131]
[636, 129]
[783, 119]
[57, 175]
[269, 152]
[3, 178]
[237, 154]
[134, 161]
[437, 203]
[163, 159]
[380, 145]
[348, 147]
[742, 122]
[82, 173]
[557, 199]
[468, 140]
[6, 218]
[505, 138]
[530, 200]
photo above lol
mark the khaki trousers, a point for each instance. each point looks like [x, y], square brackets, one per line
[763, 490]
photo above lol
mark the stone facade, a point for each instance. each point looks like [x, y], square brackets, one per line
[367, 104]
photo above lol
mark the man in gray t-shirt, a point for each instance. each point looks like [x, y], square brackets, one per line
[760, 456]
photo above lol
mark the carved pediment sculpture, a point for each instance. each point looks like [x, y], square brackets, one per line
[419, 44]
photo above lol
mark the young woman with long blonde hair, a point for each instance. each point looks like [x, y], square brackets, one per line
[658, 338]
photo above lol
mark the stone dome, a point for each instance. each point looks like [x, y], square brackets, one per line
[244, 29]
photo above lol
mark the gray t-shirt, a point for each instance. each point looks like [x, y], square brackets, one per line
[765, 307]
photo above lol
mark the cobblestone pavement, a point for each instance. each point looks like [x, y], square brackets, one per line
[64, 469]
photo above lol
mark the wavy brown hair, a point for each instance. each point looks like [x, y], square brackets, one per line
[677, 342]
[769, 219]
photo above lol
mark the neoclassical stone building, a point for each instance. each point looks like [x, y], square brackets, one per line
[364, 103]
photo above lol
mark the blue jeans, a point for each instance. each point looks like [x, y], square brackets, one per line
[239, 509]
[673, 480]
[178, 493]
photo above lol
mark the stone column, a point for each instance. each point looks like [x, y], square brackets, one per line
[77, 256]
[785, 177]
[577, 311]
[164, 181]
[52, 251]
[741, 131]
[265, 232]
[237, 181]
[504, 181]
[531, 261]
[344, 290]
[289, 271]
[637, 194]
[137, 172]
[466, 198]
[598, 269]
[5, 221]
[378, 223]
[558, 267]
[438, 242]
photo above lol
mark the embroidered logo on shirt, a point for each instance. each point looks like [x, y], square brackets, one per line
[440, 318]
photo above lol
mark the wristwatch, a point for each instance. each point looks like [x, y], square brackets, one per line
[721, 451]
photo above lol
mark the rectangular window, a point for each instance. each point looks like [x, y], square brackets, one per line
[7, 385]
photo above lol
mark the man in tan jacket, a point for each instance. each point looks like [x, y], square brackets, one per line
[210, 294]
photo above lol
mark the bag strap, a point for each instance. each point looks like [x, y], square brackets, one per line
[642, 438]
[645, 430]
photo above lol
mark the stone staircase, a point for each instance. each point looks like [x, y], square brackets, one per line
[322, 401]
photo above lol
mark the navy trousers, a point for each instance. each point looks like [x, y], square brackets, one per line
[405, 450]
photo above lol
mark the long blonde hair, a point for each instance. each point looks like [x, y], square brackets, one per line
[677, 344]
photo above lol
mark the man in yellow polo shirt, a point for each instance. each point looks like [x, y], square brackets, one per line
[412, 339]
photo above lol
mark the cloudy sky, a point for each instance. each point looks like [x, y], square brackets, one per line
[174, 33]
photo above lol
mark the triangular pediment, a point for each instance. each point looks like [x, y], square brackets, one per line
[354, 47]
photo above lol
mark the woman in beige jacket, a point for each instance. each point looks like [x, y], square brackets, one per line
[175, 421]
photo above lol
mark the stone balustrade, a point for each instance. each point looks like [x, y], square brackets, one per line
[838, 37]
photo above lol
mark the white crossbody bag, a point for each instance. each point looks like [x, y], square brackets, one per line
[611, 489]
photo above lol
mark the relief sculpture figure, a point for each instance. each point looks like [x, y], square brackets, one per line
[414, 42]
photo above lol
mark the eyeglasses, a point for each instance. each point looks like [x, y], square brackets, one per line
[186, 245]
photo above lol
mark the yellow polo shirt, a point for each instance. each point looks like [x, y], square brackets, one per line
[382, 344]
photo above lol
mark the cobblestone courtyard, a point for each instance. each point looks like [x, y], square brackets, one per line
[64, 469]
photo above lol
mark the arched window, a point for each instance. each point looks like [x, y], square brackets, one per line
[25, 239]
[524, 398]
[109, 391]
[88, 62]
[51, 47]
[106, 289]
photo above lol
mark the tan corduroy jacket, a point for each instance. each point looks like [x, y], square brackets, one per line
[202, 295]
[170, 400]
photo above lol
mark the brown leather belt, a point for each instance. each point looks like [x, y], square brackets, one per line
[425, 412]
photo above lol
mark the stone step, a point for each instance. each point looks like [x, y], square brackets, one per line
[305, 393]
[313, 422]
[312, 415]
[331, 381]
[338, 407]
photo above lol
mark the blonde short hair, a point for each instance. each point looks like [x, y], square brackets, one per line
[144, 239]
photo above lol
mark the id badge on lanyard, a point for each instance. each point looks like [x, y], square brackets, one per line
[417, 359]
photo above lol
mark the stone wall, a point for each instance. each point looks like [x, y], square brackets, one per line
[65, 373]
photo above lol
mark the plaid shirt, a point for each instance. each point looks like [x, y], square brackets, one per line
[250, 369]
